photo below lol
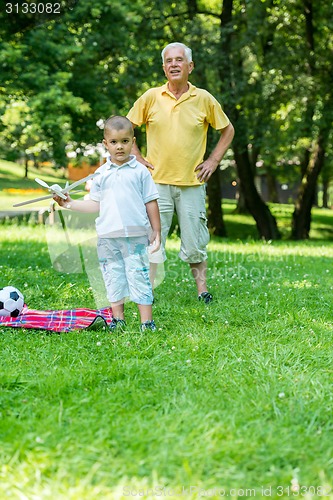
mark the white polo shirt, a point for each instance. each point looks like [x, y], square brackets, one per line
[123, 191]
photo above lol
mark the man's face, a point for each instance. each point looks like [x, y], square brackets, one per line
[176, 67]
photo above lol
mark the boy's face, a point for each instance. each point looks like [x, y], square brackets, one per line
[119, 144]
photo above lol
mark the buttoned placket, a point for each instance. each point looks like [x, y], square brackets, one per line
[115, 168]
[189, 93]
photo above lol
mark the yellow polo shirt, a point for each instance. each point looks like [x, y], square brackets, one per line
[177, 131]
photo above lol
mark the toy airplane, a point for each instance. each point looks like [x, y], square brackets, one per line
[55, 189]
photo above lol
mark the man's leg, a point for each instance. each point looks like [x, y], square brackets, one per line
[191, 211]
[199, 272]
[152, 273]
[166, 208]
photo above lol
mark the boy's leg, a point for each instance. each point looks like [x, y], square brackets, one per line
[146, 316]
[118, 309]
[146, 312]
[113, 271]
[118, 321]
[137, 272]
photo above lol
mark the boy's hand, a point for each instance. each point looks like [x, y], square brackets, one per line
[154, 242]
[61, 201]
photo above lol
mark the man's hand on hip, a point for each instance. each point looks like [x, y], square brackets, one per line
[206, 169]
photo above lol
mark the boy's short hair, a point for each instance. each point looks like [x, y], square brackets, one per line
[118, 123]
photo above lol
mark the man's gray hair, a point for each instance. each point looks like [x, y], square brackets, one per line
[187, 50]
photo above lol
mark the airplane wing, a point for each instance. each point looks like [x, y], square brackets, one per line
[58, 193]
[33, 201]
[80, 181]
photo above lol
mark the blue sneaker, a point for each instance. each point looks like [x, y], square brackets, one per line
[117, 324]
[206, 297]
[148, 325]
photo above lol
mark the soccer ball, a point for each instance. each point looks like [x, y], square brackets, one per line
[11, 301]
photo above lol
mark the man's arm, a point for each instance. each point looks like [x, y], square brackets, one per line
[208, 167]
[136, 152]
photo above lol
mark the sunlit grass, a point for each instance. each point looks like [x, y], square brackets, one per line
[16, 188]
[234, 397]
[243, 226]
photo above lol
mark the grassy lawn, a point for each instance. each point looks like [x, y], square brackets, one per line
[233, 399]
[15, 188]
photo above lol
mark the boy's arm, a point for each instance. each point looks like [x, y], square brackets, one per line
[155, 222]
[84, 206]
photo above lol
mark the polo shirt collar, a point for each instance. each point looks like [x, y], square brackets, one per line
[192, 90]
[131, 163]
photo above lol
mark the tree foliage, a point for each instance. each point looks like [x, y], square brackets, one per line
[268, 62]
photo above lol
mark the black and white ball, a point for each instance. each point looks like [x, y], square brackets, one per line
[11, 301]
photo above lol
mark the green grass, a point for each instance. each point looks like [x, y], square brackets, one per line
[242, 226]
[233, 399]
[13, 184]
[236, 396]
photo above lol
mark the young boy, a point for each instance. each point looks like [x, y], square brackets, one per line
[125, 196]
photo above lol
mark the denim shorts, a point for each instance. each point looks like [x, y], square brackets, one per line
[125, 269]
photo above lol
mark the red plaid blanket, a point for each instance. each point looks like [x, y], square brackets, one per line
[58, 321]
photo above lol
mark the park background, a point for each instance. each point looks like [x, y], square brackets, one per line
[236, 397]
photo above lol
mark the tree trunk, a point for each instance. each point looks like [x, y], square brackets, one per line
[272, 187]
[301, 220]
[266, 223]
[326, 185]
[215, 214]
[241, 207]
[26, 164]
[231, 65]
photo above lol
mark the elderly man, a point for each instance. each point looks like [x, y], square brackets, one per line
[177, 116]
